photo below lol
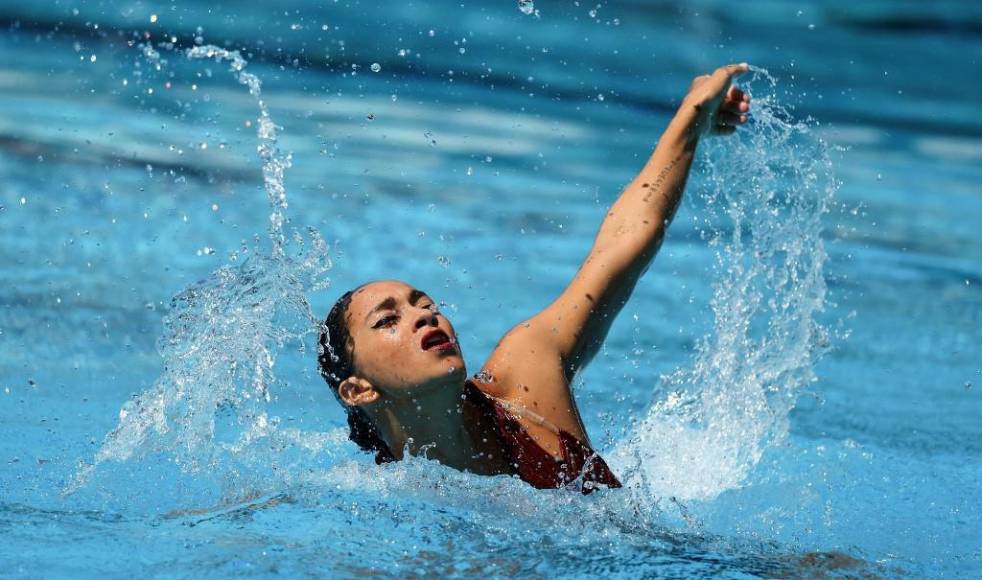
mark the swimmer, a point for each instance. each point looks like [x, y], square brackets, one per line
[393, 360]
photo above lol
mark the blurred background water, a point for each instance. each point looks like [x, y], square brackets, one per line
[476, 160]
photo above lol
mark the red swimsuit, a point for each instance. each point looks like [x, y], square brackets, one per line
[580, 468]
[580, 465]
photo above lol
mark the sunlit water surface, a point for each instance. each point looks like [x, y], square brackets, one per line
[798, 372]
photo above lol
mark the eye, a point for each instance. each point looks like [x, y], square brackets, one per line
[432, 307]
[386, 321]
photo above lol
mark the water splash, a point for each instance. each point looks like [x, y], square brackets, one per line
[274, 163]
[765, 192]
[221, 339]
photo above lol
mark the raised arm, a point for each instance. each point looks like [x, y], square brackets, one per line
[576, 323]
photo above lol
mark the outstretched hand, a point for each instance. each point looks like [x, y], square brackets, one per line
[718, 105]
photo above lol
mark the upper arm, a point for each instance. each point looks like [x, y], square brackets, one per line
[536, 360]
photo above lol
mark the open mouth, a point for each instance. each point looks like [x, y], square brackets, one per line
[436, 340]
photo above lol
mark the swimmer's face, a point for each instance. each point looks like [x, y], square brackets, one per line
[401, 342]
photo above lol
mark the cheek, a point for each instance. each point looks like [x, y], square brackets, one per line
[381, 353]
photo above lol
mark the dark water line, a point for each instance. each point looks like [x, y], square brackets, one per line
[480, 78]
[59, 152]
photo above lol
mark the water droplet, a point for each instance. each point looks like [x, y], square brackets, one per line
[376, 67]
[153, 18]
[811, 27]
[526, 6]
[92, 58]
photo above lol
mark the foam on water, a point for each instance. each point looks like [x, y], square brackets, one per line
[765, 191]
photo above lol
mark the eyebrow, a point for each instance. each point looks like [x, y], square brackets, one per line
[389, 303]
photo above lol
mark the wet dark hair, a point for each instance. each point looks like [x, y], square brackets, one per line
[336, 362]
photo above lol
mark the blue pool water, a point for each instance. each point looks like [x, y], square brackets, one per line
[813, 389]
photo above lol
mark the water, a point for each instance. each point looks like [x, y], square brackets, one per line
[765, 194]
[814, 367]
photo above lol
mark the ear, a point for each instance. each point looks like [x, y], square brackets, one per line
[356, 391]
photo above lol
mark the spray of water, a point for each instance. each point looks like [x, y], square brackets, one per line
[208, 410]
[765, 192]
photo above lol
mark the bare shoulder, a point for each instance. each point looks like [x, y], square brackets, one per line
[526, 369]
[523, 355]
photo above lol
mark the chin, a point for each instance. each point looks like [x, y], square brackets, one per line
[445, 374]
[454, 366]
[461, 371]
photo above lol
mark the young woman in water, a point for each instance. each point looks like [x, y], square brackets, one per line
[393, 360]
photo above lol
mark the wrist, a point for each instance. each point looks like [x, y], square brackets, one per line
[685, 124]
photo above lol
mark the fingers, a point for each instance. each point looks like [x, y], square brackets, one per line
[735, 101]
[726, 123]
[728, 119]
[735, 94]
[721, 79]
[733, 70]
[720, 106]
[727, 74]
[735, 106]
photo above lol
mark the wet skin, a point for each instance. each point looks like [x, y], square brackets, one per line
[409, 371]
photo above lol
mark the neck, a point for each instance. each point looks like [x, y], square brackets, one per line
[439, 423]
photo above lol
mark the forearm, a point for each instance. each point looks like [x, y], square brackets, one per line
[647, 205]
[631, 233]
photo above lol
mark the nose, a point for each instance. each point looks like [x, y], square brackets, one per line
[428, 318]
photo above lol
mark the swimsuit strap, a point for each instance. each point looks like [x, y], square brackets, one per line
[524, 412]
[580, 465]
